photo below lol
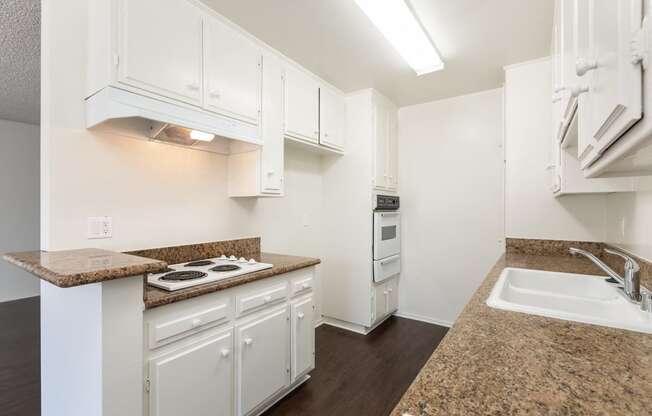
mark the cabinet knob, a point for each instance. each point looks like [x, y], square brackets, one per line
[390, 290]
[385, 293]
[225, 353]
[267, 299]
[582, 66]
[270, 172]
[300, 315]
[193, 87]
[556, 99]
[196, 322]
[248, 341]
[579, 90]
[305, 286]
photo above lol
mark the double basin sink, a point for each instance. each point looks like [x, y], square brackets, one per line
[573, 297]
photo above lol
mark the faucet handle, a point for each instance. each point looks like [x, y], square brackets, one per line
[630, 263]
[646, 301]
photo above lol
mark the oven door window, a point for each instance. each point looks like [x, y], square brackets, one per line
[388, 233]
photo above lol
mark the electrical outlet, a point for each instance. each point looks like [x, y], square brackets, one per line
[100, 227]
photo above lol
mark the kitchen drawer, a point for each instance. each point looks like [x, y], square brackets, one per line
[168, 329]
[302, 284]
[255, 300]
[387, 268]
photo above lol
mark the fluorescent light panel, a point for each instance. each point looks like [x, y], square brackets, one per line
[201, 136]
[397, 23]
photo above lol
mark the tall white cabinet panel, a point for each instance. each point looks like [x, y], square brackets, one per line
[263, 359]
[303, 337]
[331, 119]
[272, 118]
[232, 72]
[194, 380]
[301, 106]
[615, 84]
[381, 145]
[392, 150]
[160, 48]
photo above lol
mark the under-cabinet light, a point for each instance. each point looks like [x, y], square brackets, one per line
[202, 136]
[400, 27]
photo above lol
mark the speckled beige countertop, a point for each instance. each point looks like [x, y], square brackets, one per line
[496, 362]
[282, 264]
[80, 267]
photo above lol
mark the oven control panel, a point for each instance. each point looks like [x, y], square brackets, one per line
[386, 203]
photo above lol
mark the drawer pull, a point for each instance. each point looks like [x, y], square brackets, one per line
[248, 341]
[225, 353]
[300, 315]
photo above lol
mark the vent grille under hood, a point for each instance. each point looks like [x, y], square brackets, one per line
[169, 123]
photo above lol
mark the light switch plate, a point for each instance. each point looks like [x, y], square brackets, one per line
[100, 227]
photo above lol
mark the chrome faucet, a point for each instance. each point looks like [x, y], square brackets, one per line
[631, 282]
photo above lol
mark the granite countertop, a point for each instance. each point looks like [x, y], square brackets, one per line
[282, 264]
[79, 267]
[496, 362]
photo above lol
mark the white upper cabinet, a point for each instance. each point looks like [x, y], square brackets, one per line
[612, 73]
[385, 134]
[272, 118]
[232, 72]
[331, 119]
[160, 48]
[301, 106]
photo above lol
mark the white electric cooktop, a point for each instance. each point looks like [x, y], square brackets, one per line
[199, 272]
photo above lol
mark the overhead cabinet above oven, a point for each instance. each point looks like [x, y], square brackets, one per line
[173, 62]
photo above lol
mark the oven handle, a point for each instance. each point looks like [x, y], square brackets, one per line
[390, 260]
[382, 214]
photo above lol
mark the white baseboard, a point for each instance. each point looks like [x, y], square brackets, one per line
[358, 329]
[421, 318]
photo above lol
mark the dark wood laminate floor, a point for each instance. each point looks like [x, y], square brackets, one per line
[20, 359]
[362, 376]
[356, 375]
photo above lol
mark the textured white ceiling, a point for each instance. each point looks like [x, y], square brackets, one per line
[335, 40]
[20, 61]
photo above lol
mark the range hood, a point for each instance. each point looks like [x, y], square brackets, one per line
[135, 115]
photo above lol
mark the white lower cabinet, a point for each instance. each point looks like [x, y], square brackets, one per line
[195, 379]
[385, 299]
[263, 358]
[303, 337]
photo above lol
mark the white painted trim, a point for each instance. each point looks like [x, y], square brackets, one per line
[20, 298]
[415, 317]
[454, 97]
[358, 329]
[531, 61]
[319, 323]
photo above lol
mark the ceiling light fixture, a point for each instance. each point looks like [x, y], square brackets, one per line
[400, 27]
[201, 136]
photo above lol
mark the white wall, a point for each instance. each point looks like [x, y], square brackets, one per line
[157, 195]
[629, 219]
[531, 209]
[451, 187]
[19, 204]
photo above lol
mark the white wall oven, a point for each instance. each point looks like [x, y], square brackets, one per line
[387, 237]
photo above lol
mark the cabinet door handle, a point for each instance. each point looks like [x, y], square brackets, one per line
[225, 353]
[385, 293]
[390, 290]
[305, 286]
[248, 341]
[582, 66]
[300, 315]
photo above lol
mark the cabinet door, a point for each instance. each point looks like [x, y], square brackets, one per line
[381, 141]
[232, 72]
[331, 119]
[392, 295]
[303, 337]
[272, 119]
[301, 106]
[380, 302]
[263, 359]
[392, 150]
[160, 48]
[195, 380]
[615, 85]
